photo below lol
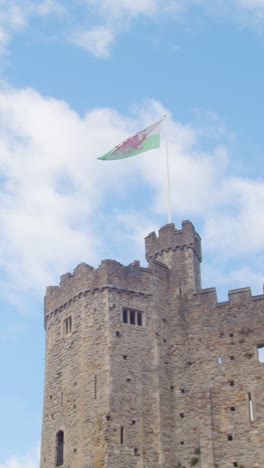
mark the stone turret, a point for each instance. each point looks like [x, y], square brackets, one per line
[180, 250]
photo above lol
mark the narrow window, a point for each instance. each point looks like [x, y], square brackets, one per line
[232, 408]
[67, 326]
[59, 448]
[182, 415]
[139, 319]
[229, 437]
[231, 383]
[235, 464]
[260, 349]
[232, 358]
[125, 315]
[250, 408]
[220, 360]
[121, 435]
[132, 317]
[95, 387]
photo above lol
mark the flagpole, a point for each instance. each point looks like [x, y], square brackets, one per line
[168, 170]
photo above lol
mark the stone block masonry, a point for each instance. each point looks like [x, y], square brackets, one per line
[146, 369]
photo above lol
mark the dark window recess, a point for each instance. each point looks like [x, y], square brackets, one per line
[231, 335]
[108, 417]
[125, 315]
[139, 319]
[235, 464]
[182, 415]
[118, 333]
[229, 437]
[135, 451]
[75, 450]
[232, 408]
[59, 448]
[128, 380]
[124, 357]
[132, 317]
[232, 358]
[121, 435]
[231, 383]
[67, 326]
[182, 442]
[172, 387]
[133, 421]
[182, 390]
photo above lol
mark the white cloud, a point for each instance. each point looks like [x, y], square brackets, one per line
[117, 16]
[16, 14]
[97, 40]
[28, 461]
[56, 196]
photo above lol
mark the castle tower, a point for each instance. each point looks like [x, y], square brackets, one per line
[146, 369]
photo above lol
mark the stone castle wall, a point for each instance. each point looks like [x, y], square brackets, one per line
[182, 388]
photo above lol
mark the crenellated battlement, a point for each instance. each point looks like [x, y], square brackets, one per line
[170, 238]
[110, 274]
[241, 295]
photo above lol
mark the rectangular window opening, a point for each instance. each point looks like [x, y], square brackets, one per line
[125, 315]
[250, 408]
[260, 350]
[67, 326]
[132, 317]
[121, 435]
[220, 360]
[139, 319]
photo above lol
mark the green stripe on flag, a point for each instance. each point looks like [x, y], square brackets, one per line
[149, 143]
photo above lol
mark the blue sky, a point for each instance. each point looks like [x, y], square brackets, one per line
[76, 78]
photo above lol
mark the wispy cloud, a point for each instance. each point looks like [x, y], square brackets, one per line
[97, 40]
[117, 16]
[104, 20]
[30, 460]
[15, 16]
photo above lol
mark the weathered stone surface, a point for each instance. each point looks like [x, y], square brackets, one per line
[174, 392]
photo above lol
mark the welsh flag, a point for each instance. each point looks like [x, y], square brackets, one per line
[145, 140]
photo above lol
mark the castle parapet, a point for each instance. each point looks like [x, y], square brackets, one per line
[172, 238]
